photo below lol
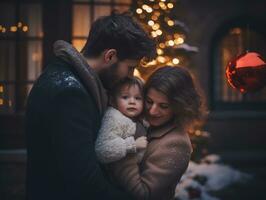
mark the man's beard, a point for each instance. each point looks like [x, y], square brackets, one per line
[109, 77]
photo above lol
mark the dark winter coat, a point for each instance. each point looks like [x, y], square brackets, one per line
[63, 118]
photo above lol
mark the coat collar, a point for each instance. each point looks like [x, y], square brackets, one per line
[90, 79]
[161, 131]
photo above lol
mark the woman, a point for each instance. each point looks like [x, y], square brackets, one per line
[172, 106]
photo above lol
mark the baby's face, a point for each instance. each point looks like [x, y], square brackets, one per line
[129, 101]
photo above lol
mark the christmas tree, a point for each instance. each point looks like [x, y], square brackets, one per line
[160, 18]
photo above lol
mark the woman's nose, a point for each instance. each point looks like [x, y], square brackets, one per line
[153, 110]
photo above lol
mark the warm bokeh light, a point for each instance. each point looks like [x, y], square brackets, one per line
[179, 41]
[150, 23]
[25, 28]
[153, 34]
[171, 43]
[1, 88]
[170, 22]
[13, 28]
[170, 5]
[156, 26]
[159, 32]
[175, 61]
[19, 24]
[162, 45]
[161, 59]
[139, 11]
[159, 51]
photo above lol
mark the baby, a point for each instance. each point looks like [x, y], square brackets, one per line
[116, 135]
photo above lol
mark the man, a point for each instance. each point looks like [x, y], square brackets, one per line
[65, 108]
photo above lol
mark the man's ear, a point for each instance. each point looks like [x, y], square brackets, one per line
[110, 56]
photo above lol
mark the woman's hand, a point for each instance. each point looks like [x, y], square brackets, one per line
[141, 143]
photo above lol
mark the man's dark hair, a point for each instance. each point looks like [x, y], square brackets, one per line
[120, 32]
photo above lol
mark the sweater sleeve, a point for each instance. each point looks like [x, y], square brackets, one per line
[110, 145]
[73, 136]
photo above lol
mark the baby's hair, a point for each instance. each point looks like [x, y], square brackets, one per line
[128, 81]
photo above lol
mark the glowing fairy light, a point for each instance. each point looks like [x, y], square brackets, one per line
[175, 61]
[149, 10]
[162, 45]
[1, 88]
[150, 23]
[139, 11]
[153, 34]
[161, 59]
[171, 43]
[13, 28]
[170, 5]
[179, 40]
[159, 32]
[159, 51]
[156, 26]
[170, 22]
[25, 28]
[19, 24]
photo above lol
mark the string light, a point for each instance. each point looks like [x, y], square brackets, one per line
[154, 17]
[159, 32]
[156, 26]
[170, 22]
[139, 11]
[149, 10]
[13, 29]
[150, 22]
[25, 28]
[162, 45]
[171, 43]
[159, 51]
[153, 34]
[19, 24]
[161, 59]
[1, 88]
[175, 61]
[170, 5]
[179, 40]
[145, 7]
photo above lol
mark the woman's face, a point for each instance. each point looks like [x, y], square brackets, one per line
[158, 110]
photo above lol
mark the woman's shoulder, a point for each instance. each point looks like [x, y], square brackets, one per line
[179, 138]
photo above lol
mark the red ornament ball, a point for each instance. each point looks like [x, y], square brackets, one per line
[247, 72]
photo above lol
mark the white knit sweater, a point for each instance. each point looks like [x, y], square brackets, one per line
[116, 137]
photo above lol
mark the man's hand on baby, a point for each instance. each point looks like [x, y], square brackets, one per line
[141, 142]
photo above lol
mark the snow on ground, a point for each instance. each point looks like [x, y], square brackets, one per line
[208, 175]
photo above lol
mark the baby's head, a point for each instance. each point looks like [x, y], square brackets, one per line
[127, 97]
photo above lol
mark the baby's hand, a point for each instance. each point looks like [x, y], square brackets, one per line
[141, 142]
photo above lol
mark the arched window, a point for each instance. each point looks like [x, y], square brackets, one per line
[229, 43]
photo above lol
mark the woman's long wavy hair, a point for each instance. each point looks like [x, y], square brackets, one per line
[177, 84]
